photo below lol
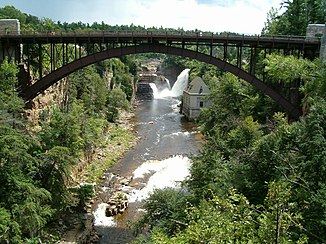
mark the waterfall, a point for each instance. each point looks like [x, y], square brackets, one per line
[160, 94]
[154, 89]
[168, 83]
[179, 86]
[181, 83]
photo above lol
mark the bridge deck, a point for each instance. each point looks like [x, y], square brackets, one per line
[135, 37]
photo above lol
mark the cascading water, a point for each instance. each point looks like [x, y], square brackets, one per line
[159, 160]
[181, 83]
[154, 89]
[168, 83]
[179, 86]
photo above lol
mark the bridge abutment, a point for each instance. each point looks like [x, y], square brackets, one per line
[318, 30]
[12, 51]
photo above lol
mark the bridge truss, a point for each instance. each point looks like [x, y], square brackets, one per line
[53, 55]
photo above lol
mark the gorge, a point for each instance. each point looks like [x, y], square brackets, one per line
[160, 159]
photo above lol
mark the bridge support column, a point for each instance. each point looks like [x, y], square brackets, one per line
[12, 51]
[323, 46]
[318, 30]
[24, 80]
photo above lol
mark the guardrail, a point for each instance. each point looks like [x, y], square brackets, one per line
[201, 35]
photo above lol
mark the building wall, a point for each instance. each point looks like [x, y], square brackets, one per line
[192, 104]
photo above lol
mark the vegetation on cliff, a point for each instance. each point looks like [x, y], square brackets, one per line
[41, 168]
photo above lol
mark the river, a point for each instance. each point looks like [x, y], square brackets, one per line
[160, 159]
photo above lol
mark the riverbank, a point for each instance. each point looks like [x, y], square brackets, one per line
[120, 138]
[160, 159]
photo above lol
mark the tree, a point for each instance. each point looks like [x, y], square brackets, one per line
[9, 228]
[232, 219]
[165, 210]
[89, 87]
[92, 133]
[63, 129]
[10, 104]
[10, 12]
[116, 99]
[279, 215]
[56, 169]
[296, 17]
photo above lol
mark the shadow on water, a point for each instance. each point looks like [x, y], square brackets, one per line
[114, 235]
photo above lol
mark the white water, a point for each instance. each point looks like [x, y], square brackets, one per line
[168, 83]
[99, 216]
[181, 83]
[162, 135]
[166, 173]
[179, 86]
[154, 89]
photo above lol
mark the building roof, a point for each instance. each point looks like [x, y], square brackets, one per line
[197, 86]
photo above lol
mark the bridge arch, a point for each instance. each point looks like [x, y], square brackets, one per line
[50, 79]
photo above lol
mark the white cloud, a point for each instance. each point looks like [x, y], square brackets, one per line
[242, 16]
[246, 16]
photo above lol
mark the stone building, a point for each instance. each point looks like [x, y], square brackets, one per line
[194, 98]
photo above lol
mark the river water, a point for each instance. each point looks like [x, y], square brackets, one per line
[160, 159]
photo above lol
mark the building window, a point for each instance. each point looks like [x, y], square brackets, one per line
[201, 104]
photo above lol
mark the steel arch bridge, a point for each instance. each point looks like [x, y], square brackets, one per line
[67, 52]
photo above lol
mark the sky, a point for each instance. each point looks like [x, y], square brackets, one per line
[240, 16]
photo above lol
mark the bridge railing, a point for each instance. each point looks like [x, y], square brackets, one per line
[158, 33]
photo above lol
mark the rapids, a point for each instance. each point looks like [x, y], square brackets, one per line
[160, 159]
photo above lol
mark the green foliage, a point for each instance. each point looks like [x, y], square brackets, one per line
[26, 200]
[63, 130]
[10, 104]
[10, 12]
[286, 69]
[279, 216]
[56, 169]
[24, 203]
[209, 175]
[116, 100]
[232, 219]
[92, 132]
[165, 210]
[9, 228]
[88, 86]
[32, 211]
[231, 98]
[314, 87]
[244, 135]
[85, 193]
[295, 18]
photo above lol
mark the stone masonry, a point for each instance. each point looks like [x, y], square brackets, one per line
[318, 30]
[7, 27]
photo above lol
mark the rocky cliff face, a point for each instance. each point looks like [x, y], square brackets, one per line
[144, 91]
[55, 96]
[171, 73]
[150, 73]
